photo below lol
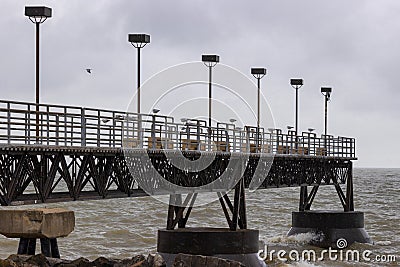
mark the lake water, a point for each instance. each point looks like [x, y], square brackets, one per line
[121, 228]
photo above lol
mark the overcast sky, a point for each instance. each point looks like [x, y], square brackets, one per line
[353, 46]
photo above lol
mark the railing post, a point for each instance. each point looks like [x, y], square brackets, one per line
[153, 132]
[140, 134]
[57, 129]
[114, 124]
[247, 139]
[48, 125]
[198, 135]
[8, 124]
[98, 128]
[83, 127]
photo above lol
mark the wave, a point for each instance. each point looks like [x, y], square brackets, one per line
[301, 239]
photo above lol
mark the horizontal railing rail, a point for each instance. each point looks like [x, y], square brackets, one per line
[87, 127]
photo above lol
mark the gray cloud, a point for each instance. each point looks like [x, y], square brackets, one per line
[349, 45]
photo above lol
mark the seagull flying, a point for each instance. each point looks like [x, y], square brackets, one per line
[89, 71]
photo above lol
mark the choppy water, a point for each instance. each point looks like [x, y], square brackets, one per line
[124, 227]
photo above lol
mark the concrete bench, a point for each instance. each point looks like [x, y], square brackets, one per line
[31, 224]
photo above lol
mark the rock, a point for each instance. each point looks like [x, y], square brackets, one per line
[82, 262]
[57, 262]
[155, 260]
[103, 262]
[38, 260]
[37, 223]
[7, 263]
[159, 261]
[185, 260]
[135, 261]
[18, 259]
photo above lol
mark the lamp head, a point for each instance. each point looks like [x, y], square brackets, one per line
[210, 58]
[296, 82]
[38, 14]
[260, 71]
[155, 110]
[37, 11]
[326, 91]
[139, 38]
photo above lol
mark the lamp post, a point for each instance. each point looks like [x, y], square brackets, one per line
[38, 15]
[296, 84]
[326, 91]
[138, 41]
[258, 73]
[210, 61]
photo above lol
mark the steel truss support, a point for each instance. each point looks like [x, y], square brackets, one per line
[340, 175]
[82, 173]
[176, 214]
[238, 215]
[235, 213]
[64, 174]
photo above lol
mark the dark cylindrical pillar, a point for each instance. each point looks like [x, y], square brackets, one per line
[330, 227]
[23, 246]
[31, 246]
[45, 247]
[55, 253]
[240, 245]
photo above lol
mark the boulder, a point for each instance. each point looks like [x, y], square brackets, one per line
[186, 260]
[37, 223]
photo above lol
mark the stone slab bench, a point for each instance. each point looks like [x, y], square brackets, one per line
[30, 224]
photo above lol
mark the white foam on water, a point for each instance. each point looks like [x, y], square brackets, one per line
[294, 239]
[301, 264]
[383, 243]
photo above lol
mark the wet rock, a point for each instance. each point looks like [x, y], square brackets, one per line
[18, 259]
[38, 260]
[135, 261]
[155, 260]
[7, 263]
[57, 262]
[185, 260]
[81, 262]
[103, 262]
